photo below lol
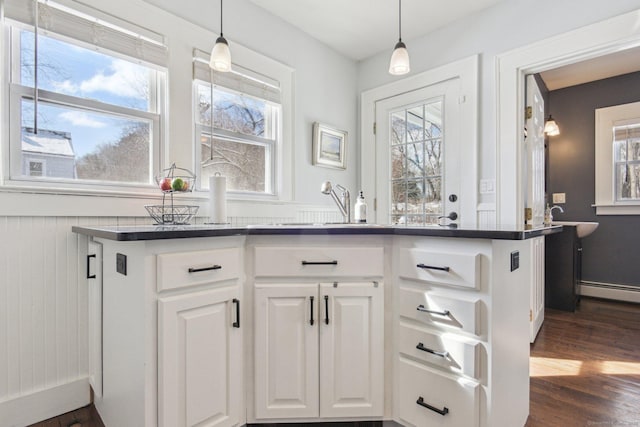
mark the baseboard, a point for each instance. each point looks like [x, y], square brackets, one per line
[610, 291]
[44, 404]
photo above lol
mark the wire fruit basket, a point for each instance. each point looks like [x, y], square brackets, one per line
[173, 180]
[173, 214]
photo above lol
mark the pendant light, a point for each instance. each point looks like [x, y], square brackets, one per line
[399, 63]
[551, 127]
[220, 54]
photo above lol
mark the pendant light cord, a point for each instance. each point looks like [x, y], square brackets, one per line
[399, 20]
[221, 35]
[35, 71]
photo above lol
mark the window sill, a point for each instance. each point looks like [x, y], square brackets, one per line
[618, 209]
[30, 200]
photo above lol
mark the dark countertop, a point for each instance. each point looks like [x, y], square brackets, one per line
[157, 232]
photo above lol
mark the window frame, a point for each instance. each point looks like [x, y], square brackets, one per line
[273, 145]
[248, 60]
[12, 177]
[606, 119]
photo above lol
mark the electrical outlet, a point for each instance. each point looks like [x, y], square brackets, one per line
[515, 260]
[487, 186]
[559, 198]
[121, 264]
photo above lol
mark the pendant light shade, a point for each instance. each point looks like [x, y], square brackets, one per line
[551, 127]
[221, 54]
[399, 63]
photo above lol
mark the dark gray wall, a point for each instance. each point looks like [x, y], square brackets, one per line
[610, 254]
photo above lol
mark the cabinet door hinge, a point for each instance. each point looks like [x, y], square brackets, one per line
[375, 204]
[528, 113]
[530, 315]
[374, 127]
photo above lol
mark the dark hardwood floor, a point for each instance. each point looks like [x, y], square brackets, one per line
[83, 417]
[585, 370]
[585, 367]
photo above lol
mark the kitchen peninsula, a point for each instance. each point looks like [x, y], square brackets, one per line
[310, 322]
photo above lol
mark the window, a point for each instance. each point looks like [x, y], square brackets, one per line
[618, 160]
[626, 146]
[84, 99]
[416, 164]
[243, 141]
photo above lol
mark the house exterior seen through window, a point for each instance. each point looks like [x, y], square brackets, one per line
[84, 105]
[627, 162]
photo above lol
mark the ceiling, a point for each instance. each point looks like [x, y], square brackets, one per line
[361, 28]
[615, 64]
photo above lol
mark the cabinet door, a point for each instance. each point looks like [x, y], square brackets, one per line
[351, 349]
[286, 351]
[200, 359]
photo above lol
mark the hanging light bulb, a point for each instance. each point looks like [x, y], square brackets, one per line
[399, 63]
[551, 127]
[220, 54]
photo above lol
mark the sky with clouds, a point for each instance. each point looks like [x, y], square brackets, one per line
[81, 72]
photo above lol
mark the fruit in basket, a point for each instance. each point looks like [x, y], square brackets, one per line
[165, 184]
[178, 184]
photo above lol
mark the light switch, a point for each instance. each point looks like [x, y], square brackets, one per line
[559, 197]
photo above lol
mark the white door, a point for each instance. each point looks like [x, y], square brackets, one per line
[286, 351]
[534, 158]
[534, 198]
[418, 156]
[200, 379]
[537, 287]
[351, 350]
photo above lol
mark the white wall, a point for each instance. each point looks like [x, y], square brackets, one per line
[325, 81]
[43, 295]
[506, 26]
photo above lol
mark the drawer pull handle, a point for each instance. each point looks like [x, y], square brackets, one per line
[444, 411]
[426, 310]
[89, 275]
[326, 309]
[236, 324]
[443, 354]
[432, 267]
[311, 305]
[334, 262]
[212, 267]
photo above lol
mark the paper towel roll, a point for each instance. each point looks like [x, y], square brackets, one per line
[218, 199]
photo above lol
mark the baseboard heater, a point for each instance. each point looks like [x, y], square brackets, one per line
[610, 291]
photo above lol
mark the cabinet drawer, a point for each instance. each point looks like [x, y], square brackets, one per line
[443, 350]
[455, 269]
[319, 261]
[431, 308]
[458, 396]
[183, 269]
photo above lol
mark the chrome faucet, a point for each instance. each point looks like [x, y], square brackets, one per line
[344, 202]
[548, 213]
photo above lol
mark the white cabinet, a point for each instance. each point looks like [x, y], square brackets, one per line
[173, 333]
[200, 359]
[460, 318]
[286, 351]
[319, 350]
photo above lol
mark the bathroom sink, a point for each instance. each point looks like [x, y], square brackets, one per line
[583, 229]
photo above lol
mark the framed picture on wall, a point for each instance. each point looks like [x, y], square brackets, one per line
[329, 146]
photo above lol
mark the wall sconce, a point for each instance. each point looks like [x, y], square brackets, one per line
[551, 127]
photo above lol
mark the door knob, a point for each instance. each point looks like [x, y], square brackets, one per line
[452, 216]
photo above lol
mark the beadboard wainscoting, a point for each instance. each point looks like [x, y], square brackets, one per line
[44, 335]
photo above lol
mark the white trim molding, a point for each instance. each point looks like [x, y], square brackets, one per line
[611, 35]
[610, 291]
[44, 404]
